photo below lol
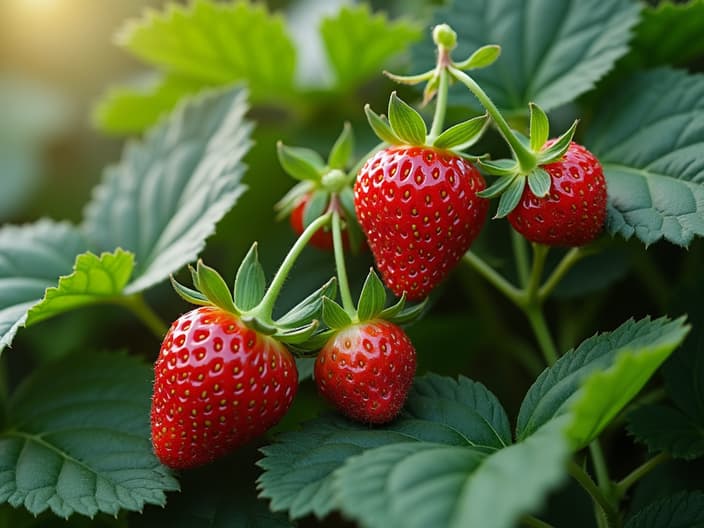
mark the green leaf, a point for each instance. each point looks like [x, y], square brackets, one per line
[315, 208]
[680, 510]
[481, 58]
[188, 294]
[373, 297]
[653, 159]
[133, 108]
[77, 439]
[217, 43]
[32, 258]
[300, 163]
[500, 167]
[297, 336]
[164, 198]
[94, 279]
[664, 428]
[394, 309]
[555, 151]
[511, 196]
[463, 134]
[310, 307]
[334, 315]
[250, 281]
[409, 314]
[406, 123]
[423, 484]
[593, 382]
[343, 148]
[498, 187]
[551, 52]
[539, 182]
[214, 287]
[359, 44]
[381, 127]
[539, 127]
[298, 468]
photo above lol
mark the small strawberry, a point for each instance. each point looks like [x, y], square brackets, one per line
[217, 385]
[419, 209]
[574, 211]
[366, 370]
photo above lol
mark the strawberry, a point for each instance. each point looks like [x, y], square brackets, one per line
[419, 209]
[218, 384]
[574, 211]
[322, 239]
[366, 370]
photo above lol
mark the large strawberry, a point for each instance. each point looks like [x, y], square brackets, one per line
[574, 211]
[417, 204]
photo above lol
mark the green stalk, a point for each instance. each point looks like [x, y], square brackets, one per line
[536, 318]
[584, 480]
[499, 282]
[526, 159]
[266, 307]
[440, 107]
[600, 467]
[573, 256]
[625, 484]
[139, 307]
[540, 253]
[521, 256]
[345, 295]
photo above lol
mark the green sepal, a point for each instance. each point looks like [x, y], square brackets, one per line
[316, 206]
[406, 123]
[539, 127]
[313, 344]
[394, 309]
[481, 58]
[214, 287]
[462, 135]
[258, 325]
[373, 297]
[500, 167]
[511, 196]
[194, 277]
[431, 88]
[410, 314]
[498, 187]
[381, 127]
[309, 308]
[300, 163]
[354, 230]
[334, 315]
[410, 80]
[341, 151]
[188, 294]
[557, 149]
[290, 200]
[539, 182]
[250, 281]
[295, 336]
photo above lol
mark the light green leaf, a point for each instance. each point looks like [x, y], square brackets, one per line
[310, 307]
[539, 182]
[300, 163]
[686, 509]
[372, 299]
[77, 439]
[216, 43]
[649, 139]
[131, 109]
[551, 52]
[499, 167]
[481, 58]
[343, 148]
[315, 208]
[462, 135]
[189, 294]
[539, 127]
[164, 198]
[406, 122]
[593, 382]
[359, 43]
[32, 258]
[417, 485]
[555, 151]
[214, 287]
[94, 279]
[511, 196]
[381, 127]
[250, 282]
[334, 315]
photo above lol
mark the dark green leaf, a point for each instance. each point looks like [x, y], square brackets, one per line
[310, 307]
[500, 167]
[164, 198]
[462, 135]
[481, 58]
[334, 315]
[593, 382]
[296, 336]
[539, 182]
[316, 207]
[342, 149]
[300, 163]
[684, 510]
[394, 309]
[405, 122]
[93, 280]
[213, 286]
[539, 127]
[372, 299]
[559, 147]
[381, 127]
[667, 429]
[511, 196]
[315, 343]
[77, 439]
[250, 282]
[653, 159]
[32, 258]
[410, 314]
[188, 294]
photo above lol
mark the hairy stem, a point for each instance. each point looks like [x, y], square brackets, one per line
[139, 307]
[536, 318]
[440, 107]
[634, 476]
[345, 295]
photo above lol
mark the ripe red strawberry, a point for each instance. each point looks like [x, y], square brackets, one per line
[322, 239]
[419, 209]
[366, 370]
[574, 211]
[218, 384]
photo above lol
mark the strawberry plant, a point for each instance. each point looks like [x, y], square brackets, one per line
[521, 229]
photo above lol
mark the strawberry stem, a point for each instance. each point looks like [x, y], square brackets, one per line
[573, 256]
[139, 307]
[265, 308]
[440, 107]
[345, 295]
[521, 256]
[527, 160]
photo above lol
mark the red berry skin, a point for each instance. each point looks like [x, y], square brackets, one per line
[322, 239]
[366, 371]
[419, 209]
[574, 212]
[218, 384]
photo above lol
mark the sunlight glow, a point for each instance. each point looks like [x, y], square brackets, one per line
[40, 5]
